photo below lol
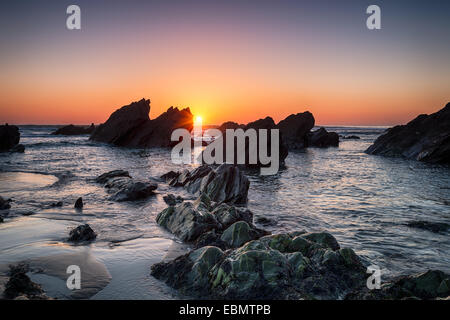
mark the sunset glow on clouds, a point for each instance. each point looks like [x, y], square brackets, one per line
[226, 60]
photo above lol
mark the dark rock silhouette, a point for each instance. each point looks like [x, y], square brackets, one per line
[82, 233]
[266, 123]
[430, 226]
[130, 126]
[295, 128]
[352, 137]
[426, 138]
[20, 286]
[171, 200]
[72, 130]
[9, 137]
[321, 138]
[79, 203]
[4, 204]
[123, 187]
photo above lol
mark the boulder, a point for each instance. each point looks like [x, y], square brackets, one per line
[9, 137]
[122, 187]
[20, 286]
[426, 138]
[295, 128]
[79, 203]
[72, 130]
[266, 123]
[82, 233]
[130, 126]
[4, 204]
[189, 220]
[171, 200]
[321, 138]
[432, 284]
[430, 226]
[225, 183]
[273, 267]
[239, 233]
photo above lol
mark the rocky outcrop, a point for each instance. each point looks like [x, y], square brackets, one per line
[431, 284]
[172, 200]
[130, 126]
[436, 227]
[20, 286]
[283, 266]
[251, 151]
[295, 128]
[321, 138]
[82, 233]
[226, 183]
[9, 139]
[4, 204]
[122, 187]
[79, 203]
[193, 221]
[426, 138]
[72, 130]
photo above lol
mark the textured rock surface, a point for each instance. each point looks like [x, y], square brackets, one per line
[130, 126]
[426, 138]
[4, 204]
[82, 233]
[285, 266]
[321, 138]
[431, 284]
[295, 128]
[124, 188]
[20, 287]
[225, 183]
[9, 137]
[72, 130]
[79, 203]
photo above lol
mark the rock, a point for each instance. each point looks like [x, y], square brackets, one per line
[322, 138]
[130, 126]
[227, 215]
[273, 267]
[171, 200]
[266, 123]
[20, 287]
[430, 226]
[295, 128]
[103, 178]
[226, 183]
[426, 138]
[431, 284]
[170, 176]
[57, 204]
[123, 188]
[9, 137]
[72, 130]
[79, 203]
[239, 233]
[324, 239]
[188, 220]
[19, 148]
[352, 137]
[4, 204]
[265, 221]
[1, 219]
[82, 233]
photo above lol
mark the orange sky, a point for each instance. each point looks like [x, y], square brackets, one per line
[240, 71]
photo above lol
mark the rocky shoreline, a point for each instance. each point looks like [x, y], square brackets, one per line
[232, 259]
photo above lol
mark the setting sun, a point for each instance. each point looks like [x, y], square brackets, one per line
[198, 120]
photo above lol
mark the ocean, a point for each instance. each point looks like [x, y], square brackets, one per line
[365, 201]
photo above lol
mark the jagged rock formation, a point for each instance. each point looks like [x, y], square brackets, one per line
[124, 188]
[82, 233]
[426, 138]
[130, 126]
[226, 183]
[295, 128]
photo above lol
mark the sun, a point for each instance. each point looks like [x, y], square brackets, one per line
[198, 120]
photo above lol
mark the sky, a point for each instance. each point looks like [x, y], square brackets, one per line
[231, 60]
